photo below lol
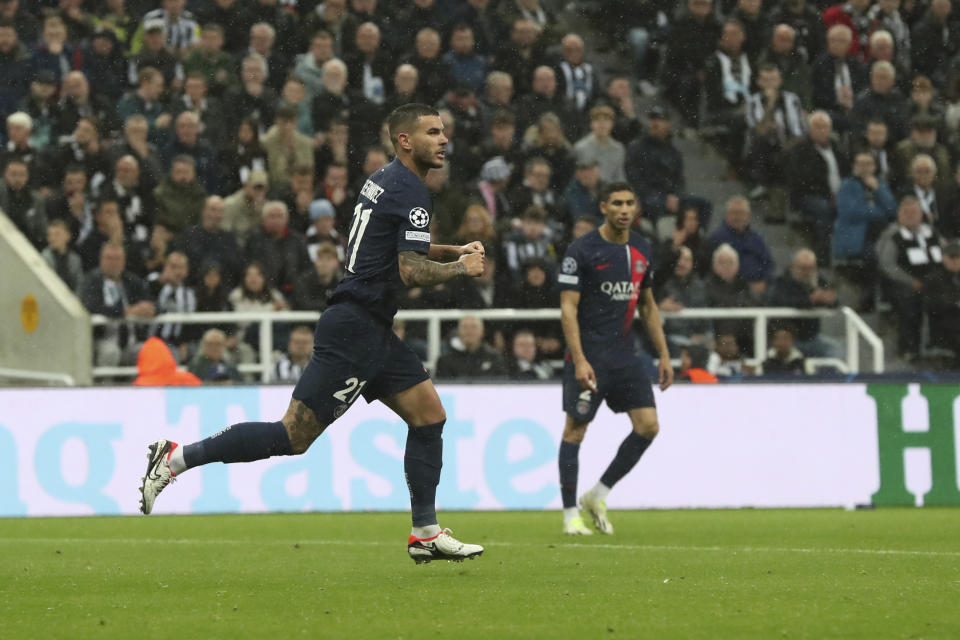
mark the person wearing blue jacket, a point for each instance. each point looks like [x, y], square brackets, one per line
[865, 205]
[756, 263]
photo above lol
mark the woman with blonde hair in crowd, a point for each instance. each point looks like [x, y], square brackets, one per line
[476, 225]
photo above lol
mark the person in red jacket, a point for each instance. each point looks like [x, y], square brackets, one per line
[157, 368]
[854, 15]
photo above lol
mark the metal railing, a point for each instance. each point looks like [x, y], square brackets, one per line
[37, 376]
[855, 329]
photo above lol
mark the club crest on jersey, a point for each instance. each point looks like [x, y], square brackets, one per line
[419, 217]
[569, 265]
[639, 266]
[583, 407]
[340, 410]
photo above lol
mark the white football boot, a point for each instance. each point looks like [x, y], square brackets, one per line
[442, 546]
[158, 473]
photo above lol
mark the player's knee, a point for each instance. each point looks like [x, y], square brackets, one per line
[575, 431]
[647, 428]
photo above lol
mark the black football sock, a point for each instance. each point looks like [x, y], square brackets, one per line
[244, 442]
[627, 456]
[422, 462]
[569, 461]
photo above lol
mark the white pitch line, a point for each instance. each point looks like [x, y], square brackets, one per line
[554, 545]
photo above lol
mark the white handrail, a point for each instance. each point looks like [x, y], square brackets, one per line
[854, 324]
[44, 376]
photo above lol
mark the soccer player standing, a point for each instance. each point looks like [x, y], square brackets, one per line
[355, 350]
[604, 278]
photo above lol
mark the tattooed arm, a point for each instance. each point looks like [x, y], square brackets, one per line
[452, 252]
[416, 270]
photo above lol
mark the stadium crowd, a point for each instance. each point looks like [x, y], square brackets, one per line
[205, 155]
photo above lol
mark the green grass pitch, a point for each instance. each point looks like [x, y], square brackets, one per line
[891, 573]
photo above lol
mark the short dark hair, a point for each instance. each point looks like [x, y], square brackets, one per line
[768, 66]
[287, 113]
[404, 116]
[75, 167]
[612, 187]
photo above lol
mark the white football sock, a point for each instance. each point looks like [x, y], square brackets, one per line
[428, 531]
[177, 465]
[600, 490]
[569, 513]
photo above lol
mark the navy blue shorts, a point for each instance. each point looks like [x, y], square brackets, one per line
[355, 354]
[624, 388]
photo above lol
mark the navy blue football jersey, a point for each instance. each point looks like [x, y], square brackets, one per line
[392, 215]
[610, 278]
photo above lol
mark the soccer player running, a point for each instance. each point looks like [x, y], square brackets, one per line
[355, 350]
[605, 276]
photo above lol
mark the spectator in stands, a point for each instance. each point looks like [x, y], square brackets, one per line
[687, 232]
[447, 197]
[535, 12]
[941, 298]
[619, 97]
[728, 78]
[476, 227]
[536, 291]
[314, 286]
[21, 204]
[948, 210]
[241, 155]
[107, 227]
[837, 77]
[114, 292]
[212, 293]
[522, 54]
[774, 119]
[180, 197]
[154, 54]
[419, 13]
[853, 15]
[547, 141]
[336, 188]
[72, 202]
[280, 250]
[864, 202]
[694, 36]
[60, 257]
[253, 98]
[756, 28]
[876, 142]
[210, 363]
[682, 289]
[881, 100]
[77, 102]
[209, 60]
[783, 357]
[543, 98]
[309, 65]
[207, 109]
[186, 141]
[209, 241]
[726, 361]
[816, 167]
[53, 52]
[494, 180]
[498, 98]
[934, 42]
[290, 365]
[84, 147]
[925, 103]
[535, 190]
[14, 61]
[805, 19]
[470, 356]
[406, 87]
[263, 37]
[20, 128]
[598, 146]
[726, 289]
[576, 79]
[655, 168]
[335, 104]
[146, 101]
[532, 240]
[432, 72]
[25, 23]
[881, 50]
[134, 196]
[172, 294]
[136, 131]
[254, 294]
[794, 69]
[523, 363]
[331, 16]
[244, 209]
[322, 231]
[156, 367]
[755, 262]
[922, 185]
[885, 16]
[923, 141]
[802, 287]
[693, 365]
[581, 196]
[462, 60]
[286, 147]
[907, 251]
[369, 66]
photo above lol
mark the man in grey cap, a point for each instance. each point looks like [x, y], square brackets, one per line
[322, 229]
[941, 297]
